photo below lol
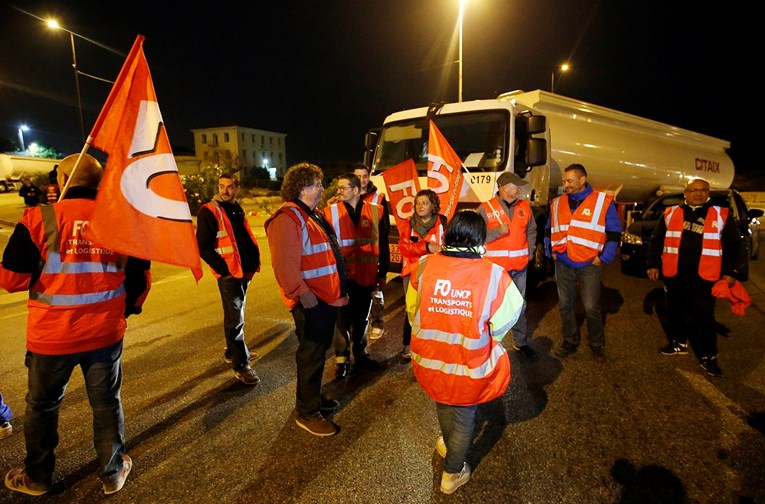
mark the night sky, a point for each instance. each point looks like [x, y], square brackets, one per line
[324, 72]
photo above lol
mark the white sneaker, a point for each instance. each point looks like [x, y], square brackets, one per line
[6, 429]
[441, 446]
[451, 482]
[375, 333]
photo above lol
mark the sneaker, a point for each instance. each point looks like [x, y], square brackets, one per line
[343, 369]
[6, 429]
[674, 348]
[328, 404]
[316, 425]
[565, 350]
[406, 354]
[375, 333]
[247, 376]
[119, 482]
[526, 351]
[710, 366]
[441, 447]
[450, 482]
[599, 354]
[18, 481]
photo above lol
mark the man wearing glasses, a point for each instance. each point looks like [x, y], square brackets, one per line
[694, 245]
[357, 226]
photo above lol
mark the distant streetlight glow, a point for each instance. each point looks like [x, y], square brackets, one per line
[462, 12]
[565, 67]
[22, 129]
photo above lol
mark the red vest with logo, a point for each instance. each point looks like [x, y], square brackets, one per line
[710, 264]
[511, 250]
[225, 244]
[360, 244]
[581, 234]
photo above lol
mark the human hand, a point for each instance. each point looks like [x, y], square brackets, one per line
[433, 248]
[653, 274]
[729, 280]
[308, 300]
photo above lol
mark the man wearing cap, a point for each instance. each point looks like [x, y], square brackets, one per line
[510, 240]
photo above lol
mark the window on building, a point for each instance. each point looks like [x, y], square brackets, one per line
[225, 137]
[271, 140]
[204, 139]
[244, 155]
[215, 139]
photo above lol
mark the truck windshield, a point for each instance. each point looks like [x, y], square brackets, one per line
[480, 139]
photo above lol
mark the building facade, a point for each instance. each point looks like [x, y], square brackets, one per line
[242, 148]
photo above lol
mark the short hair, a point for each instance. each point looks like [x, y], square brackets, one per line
[466, 229]
[432, 196]
[297, 178]
[578, 167]
[352, 178]
[696, 179]
[88, 173]
[361, 166]
[228, 175]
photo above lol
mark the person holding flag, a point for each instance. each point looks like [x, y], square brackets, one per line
[510, 241]
[80, 295]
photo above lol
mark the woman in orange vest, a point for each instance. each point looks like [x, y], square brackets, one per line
[422, 234]
[460, 307]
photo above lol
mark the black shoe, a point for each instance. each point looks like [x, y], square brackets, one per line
[366, 362]
[674, 348]
[599, 354]
[343, 369]
[565, 350]
[328, 405]
[526, 351]
[710, 366]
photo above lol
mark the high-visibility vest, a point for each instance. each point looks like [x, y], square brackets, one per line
[463, 309]
[511, 250]
[225, 244]
[710, 263]
[412, 250]
[376, 198]
[78, 302]
[317, 263]
[360, 244]
[581, 234]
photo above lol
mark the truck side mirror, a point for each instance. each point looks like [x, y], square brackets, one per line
[536, 124]
[370, 143]
[536, 151]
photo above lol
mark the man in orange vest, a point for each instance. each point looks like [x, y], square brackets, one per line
[511, 237]
[370, 193]
[581, 235]
[460, 306]
[310, 271]
[357, 226]
[693, 246]
[80, 295]
[228, 246]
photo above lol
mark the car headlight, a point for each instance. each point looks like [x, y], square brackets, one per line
[631, 239]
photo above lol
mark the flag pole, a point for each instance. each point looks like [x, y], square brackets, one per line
[481, 194]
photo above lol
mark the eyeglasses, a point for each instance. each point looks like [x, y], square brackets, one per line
[343, 188]
[695, 190]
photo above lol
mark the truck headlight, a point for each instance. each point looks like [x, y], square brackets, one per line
[631, 239]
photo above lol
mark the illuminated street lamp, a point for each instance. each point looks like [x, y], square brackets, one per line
[462, 11]
[52, 23]
[565, 67]
[22, 129]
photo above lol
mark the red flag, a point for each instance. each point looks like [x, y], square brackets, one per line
[444, 171]
[402, 185]
[141, 208]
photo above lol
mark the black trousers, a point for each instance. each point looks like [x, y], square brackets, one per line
[314, 328]
[691, 308]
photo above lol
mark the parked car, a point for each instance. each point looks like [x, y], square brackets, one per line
[634, 243]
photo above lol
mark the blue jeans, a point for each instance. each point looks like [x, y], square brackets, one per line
[233, 295]
[587, 280]
[456, 424]
[6, 413]
[48, 378]
[520, 333]
[314, 328]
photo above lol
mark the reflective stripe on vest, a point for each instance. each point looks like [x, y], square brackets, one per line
[225, 241]
[710, 262]
[585, 234]
[359, 244]
[511, 250]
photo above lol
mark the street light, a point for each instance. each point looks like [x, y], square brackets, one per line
[565, 67]
[22, 129]
[52, 23]
[462, 11]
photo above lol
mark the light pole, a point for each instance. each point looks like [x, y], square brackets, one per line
[52, 23]
[462, 11]
[565, 67]
[22, 129]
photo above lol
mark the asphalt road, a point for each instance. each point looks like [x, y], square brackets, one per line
[640, 427]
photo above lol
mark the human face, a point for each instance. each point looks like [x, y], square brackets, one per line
[696, 193]
[423, 207]
[346, 192]
[228, 189]
[573, 182]
[311, 194]
[363, 175]
[509, 192]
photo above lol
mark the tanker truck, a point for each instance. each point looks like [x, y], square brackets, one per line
[537, 134]
[12, 168]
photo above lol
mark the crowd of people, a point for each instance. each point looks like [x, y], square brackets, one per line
[464, 282]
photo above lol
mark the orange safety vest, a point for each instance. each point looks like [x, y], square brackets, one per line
[511, 250]
[710, 263]
[317, 263]
[225, 244]
[461, 304]
[78, 302]
[581, 234]
[360, 244]
[376, 198]
[411, 251]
